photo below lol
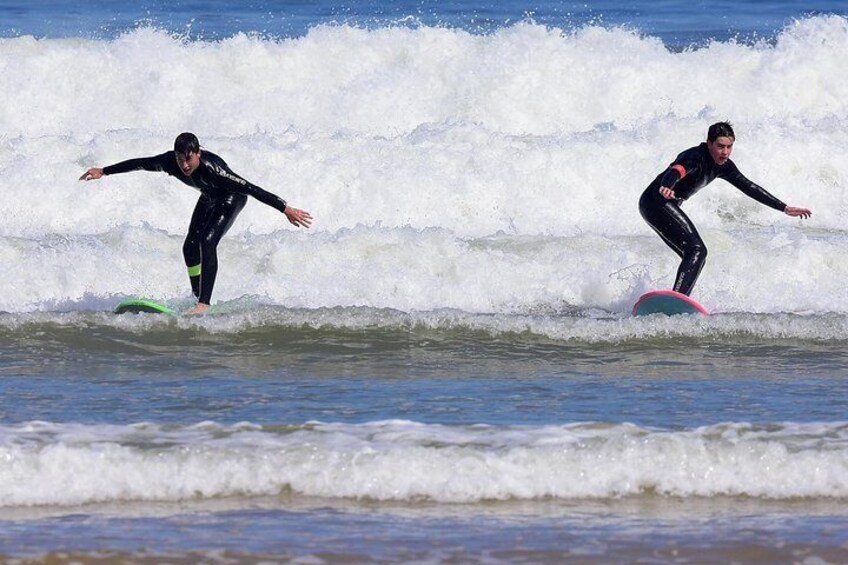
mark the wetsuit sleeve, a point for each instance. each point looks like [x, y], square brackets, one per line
[235, 183]
[751, 189]
[672, 175]
[685, 164]
[156, 163]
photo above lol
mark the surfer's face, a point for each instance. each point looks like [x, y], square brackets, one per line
[720, 149]
[189, 162]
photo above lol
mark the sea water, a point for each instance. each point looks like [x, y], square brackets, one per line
[444, 368]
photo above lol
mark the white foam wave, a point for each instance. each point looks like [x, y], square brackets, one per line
[764, 271]
[435, 161]
[66, 464]
[524, 79]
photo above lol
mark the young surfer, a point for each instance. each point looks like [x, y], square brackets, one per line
[687, 174]
[222, 196]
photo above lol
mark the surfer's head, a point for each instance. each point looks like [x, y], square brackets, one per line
[187, 152]
[720, 138]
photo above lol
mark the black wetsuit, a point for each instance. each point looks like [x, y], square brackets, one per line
[687, 174]
[222, 196]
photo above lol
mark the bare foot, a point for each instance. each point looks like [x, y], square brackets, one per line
[197, 310]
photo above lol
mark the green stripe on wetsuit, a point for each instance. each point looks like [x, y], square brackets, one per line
[194, 271]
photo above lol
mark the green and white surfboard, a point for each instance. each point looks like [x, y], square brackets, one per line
[142, 306]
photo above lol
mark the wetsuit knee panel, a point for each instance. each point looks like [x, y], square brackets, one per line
[210, 238]
[697, 246]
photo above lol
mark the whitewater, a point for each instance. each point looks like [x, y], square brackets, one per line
[69, 465]
[493, 173]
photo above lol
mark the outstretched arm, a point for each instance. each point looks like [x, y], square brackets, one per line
[761, 195]
[752, 189]
[155, 163]
[296, 217]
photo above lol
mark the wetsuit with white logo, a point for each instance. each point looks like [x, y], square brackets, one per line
[222, 196]
[688, 173]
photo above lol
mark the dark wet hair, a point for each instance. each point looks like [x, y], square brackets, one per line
[720, 129]
[186, 143]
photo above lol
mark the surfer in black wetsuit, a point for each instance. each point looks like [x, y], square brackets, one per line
[222, 196]
[687, 174]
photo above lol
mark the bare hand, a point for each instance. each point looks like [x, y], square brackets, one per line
[802, 213]
[298, 217]
[667, 193]
[92, 174]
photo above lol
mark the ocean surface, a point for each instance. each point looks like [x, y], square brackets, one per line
[444, 368]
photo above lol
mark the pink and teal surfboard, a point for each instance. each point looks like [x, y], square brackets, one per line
[667, 302]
